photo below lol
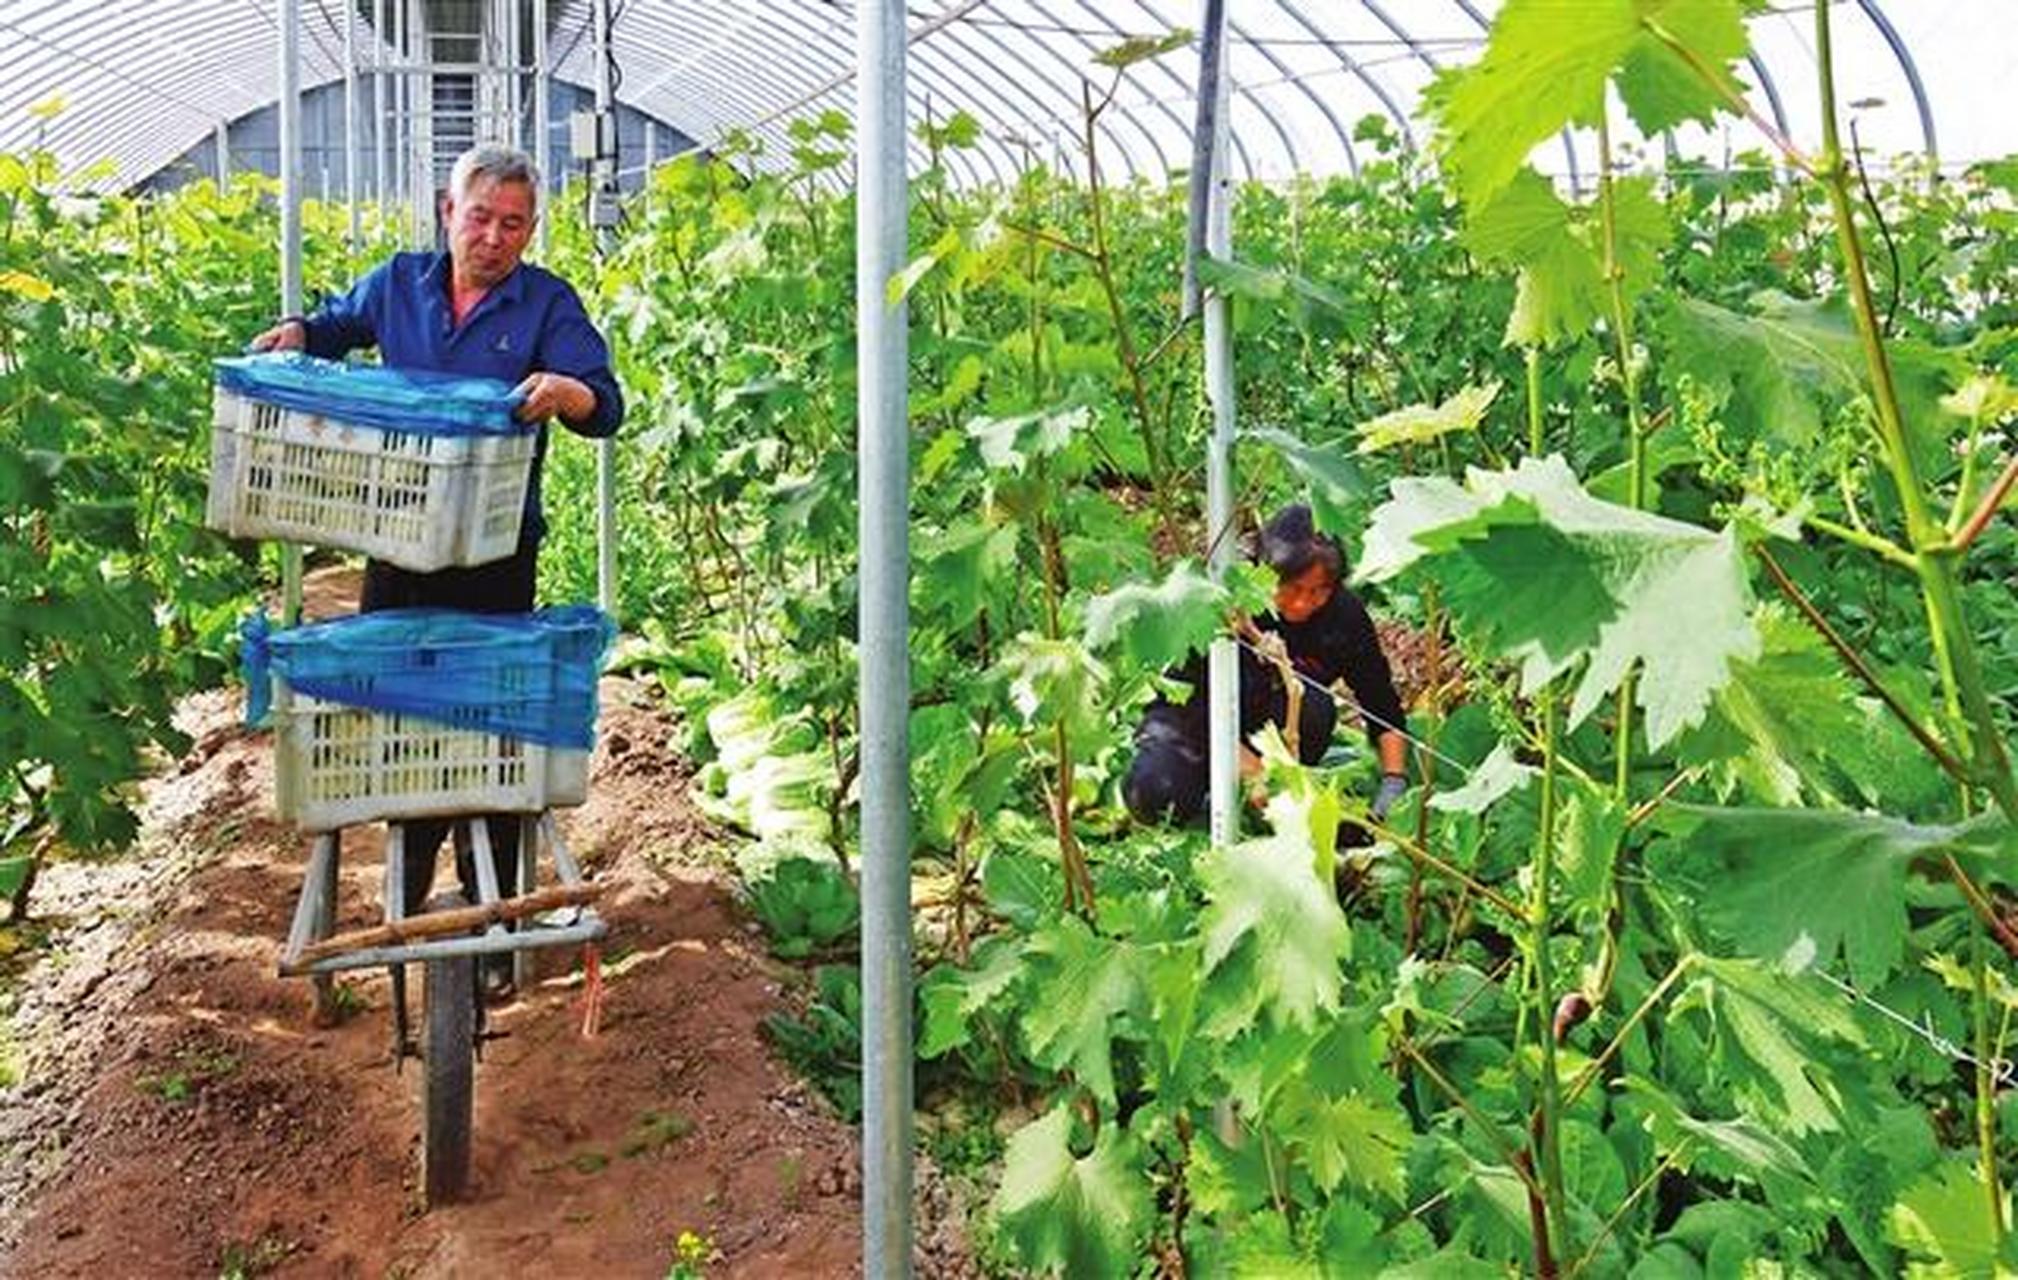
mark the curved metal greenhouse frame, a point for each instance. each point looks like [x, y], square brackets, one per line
[133, 85]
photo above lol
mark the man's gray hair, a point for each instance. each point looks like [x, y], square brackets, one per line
[495, 164]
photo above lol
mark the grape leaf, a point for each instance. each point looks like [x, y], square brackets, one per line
[1053, 681]
[962, 571]
[1774, 1032]
[1421, 423]
[1723, 1148]
[1544, 574]
[1142, 48]
[1347, 1246]
[1660, 87]
[1265, 894]
[1593, 823]
[1011, 444]
[1944, 1218]
[1558, 250]
[1081, 984]
[1331, 479]
[1310, 305]
[951, 997]
[1774, 371]
[1352, 1137]
[1822, 878]
[1082, 1216]
[1546, 64]
[1227, 1181]
[1499, 774]
[1157, 625]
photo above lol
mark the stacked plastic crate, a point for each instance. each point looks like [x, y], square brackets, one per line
[411, 712]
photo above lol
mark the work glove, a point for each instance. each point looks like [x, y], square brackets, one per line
[1392, 787]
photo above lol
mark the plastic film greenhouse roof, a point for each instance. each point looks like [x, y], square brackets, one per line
[141, 81]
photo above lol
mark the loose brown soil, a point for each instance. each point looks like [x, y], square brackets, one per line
[180, 1113]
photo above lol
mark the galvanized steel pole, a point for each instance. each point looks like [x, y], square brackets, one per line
[350, 183]
[1211, 234]
[223, 152]
[543, 143]
[290, 240]
[883, 440]
[379, 132]
[606, 449]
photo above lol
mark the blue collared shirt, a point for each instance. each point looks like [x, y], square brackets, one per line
[530, 322]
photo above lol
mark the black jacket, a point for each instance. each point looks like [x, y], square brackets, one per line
[1337, 642]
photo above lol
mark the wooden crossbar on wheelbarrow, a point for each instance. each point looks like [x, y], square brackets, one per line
[434, 924]
[312, 950]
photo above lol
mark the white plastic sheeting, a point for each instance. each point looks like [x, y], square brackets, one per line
[144, 80]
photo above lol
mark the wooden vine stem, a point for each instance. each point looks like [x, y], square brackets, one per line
[436, 924]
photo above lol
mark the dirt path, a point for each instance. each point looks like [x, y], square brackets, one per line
[180, 1115]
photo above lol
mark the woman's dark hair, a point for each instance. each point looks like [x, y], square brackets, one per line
[1290, 544]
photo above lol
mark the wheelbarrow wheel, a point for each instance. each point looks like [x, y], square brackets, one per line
[448, 1085]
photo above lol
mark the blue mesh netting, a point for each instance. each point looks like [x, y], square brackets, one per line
[411, 400]
[530, 676]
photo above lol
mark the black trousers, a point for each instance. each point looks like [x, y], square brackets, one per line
[1169, 778]
[502, 586]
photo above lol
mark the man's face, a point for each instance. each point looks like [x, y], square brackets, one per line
[1299, 595]
[488, 230]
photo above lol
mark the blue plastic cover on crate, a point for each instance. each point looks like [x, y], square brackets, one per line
[412, 400]
[530, 676]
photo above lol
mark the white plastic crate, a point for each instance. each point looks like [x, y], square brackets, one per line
[420, 501]
[337, 765]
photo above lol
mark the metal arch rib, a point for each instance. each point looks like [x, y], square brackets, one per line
[709, 74]
[694, 107]
[962, 87]
[1876, 14]
[960, 30]
[1772, 92]
[832, 85]
[1351, 64]
[1569, 139]
[1185, 90]
[106, 70]
[1317, 100]
[839, 80]
[1282, 135]
[1065, 94]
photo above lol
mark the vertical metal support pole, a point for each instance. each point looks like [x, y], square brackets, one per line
[290, 240]
[223, 152]
[606, 449]
[1211, 233]
[515, 84]
[402, 100]
[651, 162]
[350, 182]
[420, 123]
[543, 142]
[380, 134]
[885, 675]
[528, 880]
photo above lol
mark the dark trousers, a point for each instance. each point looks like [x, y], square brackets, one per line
[1170, 776]
[502, 586]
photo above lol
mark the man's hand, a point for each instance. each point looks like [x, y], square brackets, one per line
[288, 335]
[547, 394]
[1392, 787]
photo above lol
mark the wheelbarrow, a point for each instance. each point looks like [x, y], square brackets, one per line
[447, 939]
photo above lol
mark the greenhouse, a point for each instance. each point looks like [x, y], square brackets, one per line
[1259, 638]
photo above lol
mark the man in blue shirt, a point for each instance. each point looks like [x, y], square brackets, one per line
[476, 310]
